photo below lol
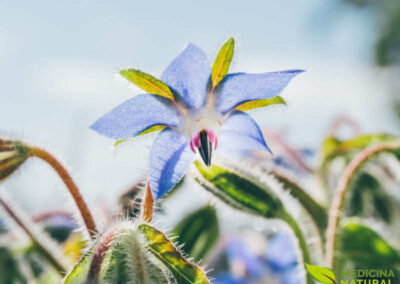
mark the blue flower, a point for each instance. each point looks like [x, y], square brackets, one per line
[198, 109]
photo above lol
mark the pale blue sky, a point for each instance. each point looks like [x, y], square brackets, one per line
[58, 61]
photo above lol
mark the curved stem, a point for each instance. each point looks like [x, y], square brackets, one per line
[335, 213]
[302, 243]
[316, 211]
[70, 184]
[42, 249]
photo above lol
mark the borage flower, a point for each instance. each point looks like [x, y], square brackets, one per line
[198, 109]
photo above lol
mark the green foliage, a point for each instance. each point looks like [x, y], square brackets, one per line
[239, 192]
[198, 232]
[162, 248]
[363, 246]
[250, 196]
[221, 64]
[118, 256]
[321, 274]
[367, 188]
[10, 270]
[147, 83]
[132, 252]
[78, 273]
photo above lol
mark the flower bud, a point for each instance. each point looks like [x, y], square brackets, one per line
[12, 155]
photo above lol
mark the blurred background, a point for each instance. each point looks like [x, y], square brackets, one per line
[59, 60]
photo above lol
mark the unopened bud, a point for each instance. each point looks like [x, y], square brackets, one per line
[12, 155]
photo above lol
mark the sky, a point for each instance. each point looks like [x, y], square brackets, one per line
[59, 62]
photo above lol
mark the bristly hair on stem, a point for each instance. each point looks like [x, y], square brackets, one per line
[39, 240]
[70, 184]
[339, 198]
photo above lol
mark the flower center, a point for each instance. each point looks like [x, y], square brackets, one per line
[201, 128]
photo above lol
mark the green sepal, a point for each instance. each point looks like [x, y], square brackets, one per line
[151, 129]
[278, 100]
[162, 248]
[147, 83]
[239, 192]
[222, 62]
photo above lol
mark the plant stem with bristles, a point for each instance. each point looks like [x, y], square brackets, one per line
[70, 184]
[336, 211]
[43, 250]
[292, 223]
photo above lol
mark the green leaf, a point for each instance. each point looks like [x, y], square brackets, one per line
[222, 62]
[162, 248]
[364, 189]
[321, 274]
[366, 247]
[278, 100]
[249, 195]
[240, 192]
[198, 232]
[147, 83]
[79, 272]
[10, 272]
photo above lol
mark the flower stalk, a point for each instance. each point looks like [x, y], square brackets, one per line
[292, 223]
[39, 244]
[70, 184]
[338, 203]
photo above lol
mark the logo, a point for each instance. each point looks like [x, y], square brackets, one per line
[321, 274]
[353, 276]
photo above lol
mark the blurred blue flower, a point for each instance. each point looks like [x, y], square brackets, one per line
[238, 250]
[58, 224]
[197, 119]
[282, 259]
[228, 278]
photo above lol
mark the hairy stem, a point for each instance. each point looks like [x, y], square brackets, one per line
[302, 243]
[70, 184]
[338, 203]
[316, 211]
[39, 245]
[148, 204]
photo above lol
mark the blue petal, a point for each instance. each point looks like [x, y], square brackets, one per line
[170, 158]
[236, 89]
[188, 76]
[136, 115]
[240, 132]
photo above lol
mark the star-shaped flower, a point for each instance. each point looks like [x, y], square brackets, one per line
[198, 109]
